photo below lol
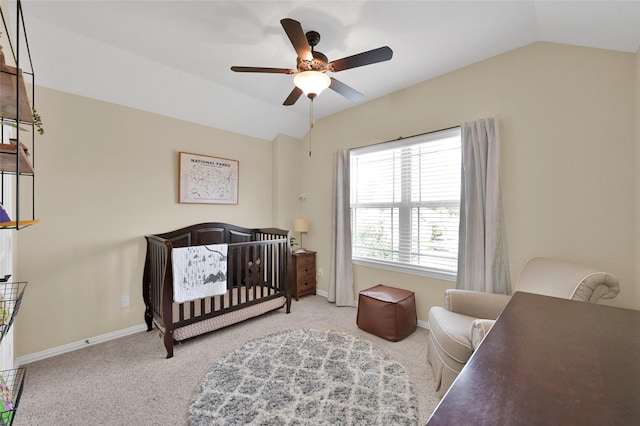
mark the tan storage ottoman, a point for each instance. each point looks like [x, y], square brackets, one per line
[387, 312]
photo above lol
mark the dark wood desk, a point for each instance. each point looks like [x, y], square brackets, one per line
[550, 361]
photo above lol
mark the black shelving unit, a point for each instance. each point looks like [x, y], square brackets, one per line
[11, 387]
[10, 300]
[17, 111]
[16, 164]
[11, 381]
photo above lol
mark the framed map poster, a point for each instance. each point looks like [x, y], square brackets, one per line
[208, 180]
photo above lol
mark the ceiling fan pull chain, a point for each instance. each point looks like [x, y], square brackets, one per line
[310, 124]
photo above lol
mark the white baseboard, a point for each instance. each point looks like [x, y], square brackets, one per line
[322, 293]
[326, 296]
[78, 345]
[23, 360]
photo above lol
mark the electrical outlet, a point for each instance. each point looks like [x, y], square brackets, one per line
[320, 272]
[124, 302]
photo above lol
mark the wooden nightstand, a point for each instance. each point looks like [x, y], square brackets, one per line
[304, 274]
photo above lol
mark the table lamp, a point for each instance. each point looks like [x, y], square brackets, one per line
[301, 225]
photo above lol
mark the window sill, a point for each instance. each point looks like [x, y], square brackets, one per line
[407, 269]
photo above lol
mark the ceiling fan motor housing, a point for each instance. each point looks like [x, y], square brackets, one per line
[318, 63]
[313, 38]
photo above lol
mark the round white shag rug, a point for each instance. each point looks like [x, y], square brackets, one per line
[305, 377]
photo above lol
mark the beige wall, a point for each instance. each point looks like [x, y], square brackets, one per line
[637, 192]
[567, 124]
[106, 175]
[287, 185]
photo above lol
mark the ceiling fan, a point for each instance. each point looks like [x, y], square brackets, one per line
[312, 66]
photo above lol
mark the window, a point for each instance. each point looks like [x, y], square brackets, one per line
[405, 204]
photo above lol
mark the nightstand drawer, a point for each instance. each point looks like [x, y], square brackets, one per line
[308, 271]
[306, 260]
[306, 287]
[307, 278]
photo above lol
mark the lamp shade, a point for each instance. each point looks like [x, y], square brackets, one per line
[301, 225]
[312, 82]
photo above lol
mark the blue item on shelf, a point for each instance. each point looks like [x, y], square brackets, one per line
[4, 217]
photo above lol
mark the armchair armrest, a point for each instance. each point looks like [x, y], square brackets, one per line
[568, 280]
[475, 303]
[479, 330]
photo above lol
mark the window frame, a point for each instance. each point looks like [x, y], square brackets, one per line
[427, 271]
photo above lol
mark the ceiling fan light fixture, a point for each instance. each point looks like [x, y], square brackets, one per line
[312, 83]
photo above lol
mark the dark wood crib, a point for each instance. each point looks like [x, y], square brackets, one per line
[257, 267]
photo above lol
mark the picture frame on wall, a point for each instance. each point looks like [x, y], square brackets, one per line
[204, 179]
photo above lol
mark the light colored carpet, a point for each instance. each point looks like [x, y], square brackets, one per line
[306, 377]
[128, 381]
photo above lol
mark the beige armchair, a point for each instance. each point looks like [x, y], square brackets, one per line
[458, 329]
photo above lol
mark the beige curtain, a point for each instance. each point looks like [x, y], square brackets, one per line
[341, 290]
[483, 261]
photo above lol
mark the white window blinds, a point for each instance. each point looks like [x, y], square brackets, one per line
[405, 203]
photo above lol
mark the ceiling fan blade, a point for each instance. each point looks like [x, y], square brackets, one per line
[293, 96]
[298, 38]
[263, 69]
[348, 92]
[374, 56]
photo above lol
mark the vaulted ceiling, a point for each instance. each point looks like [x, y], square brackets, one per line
[174, 57]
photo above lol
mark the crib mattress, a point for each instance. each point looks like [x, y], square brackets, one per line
[224, 320]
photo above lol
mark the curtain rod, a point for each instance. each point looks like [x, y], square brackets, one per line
[408, 137]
